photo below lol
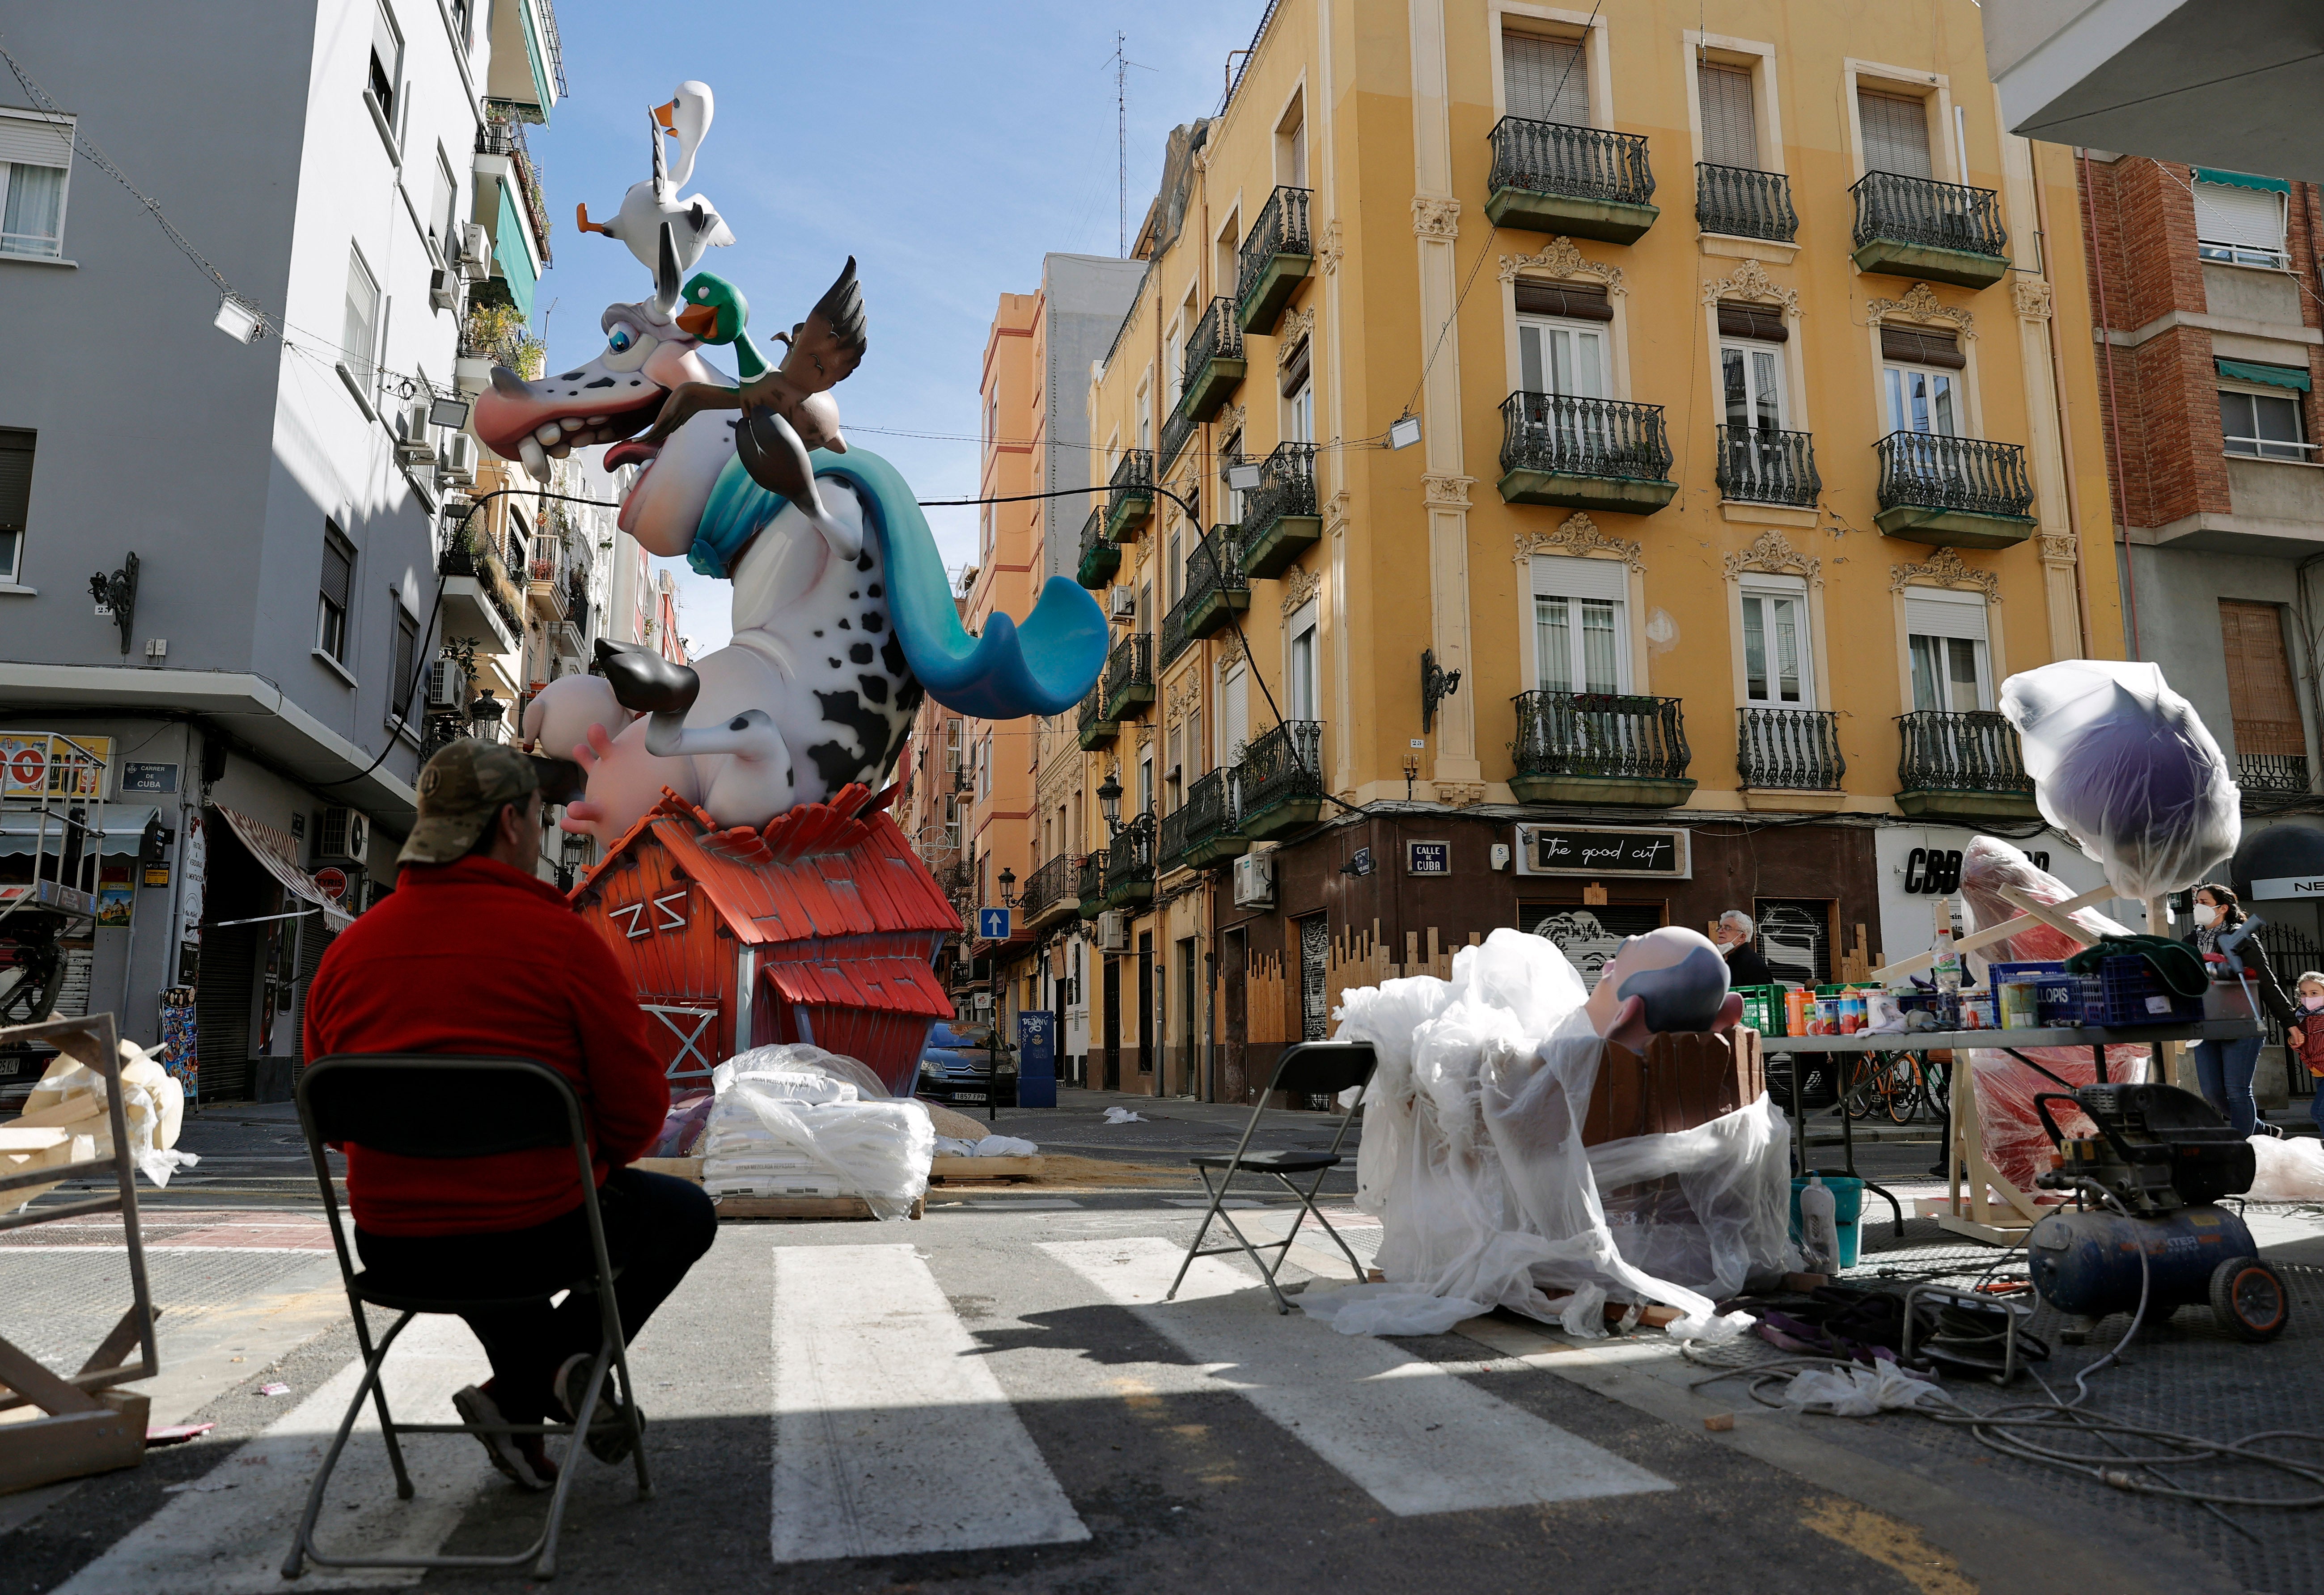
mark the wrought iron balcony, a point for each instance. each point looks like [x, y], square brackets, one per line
[1744, 202]
[1091, 883]
[1200, 833]
[1961, 766]
[1277, 255]
[1215, 362]
[1130, 496]
[1049, 889]
[1101, 557]
[1909, 227]
[1279, 516]
[1129, 675]
[1129, 864]
[1791, 750]
[1217, 590]
[1280, 781]
[1600, 747]
[1097, 727]
[1584, 454]
[565, 638]
[1759, 466]
[1583, 182]
[2272, 773]
[1170, 639]
[1177, 431]
[1962, 492]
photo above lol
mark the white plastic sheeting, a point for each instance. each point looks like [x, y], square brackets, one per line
[2286, 1170]
[798, 1121]
[2123, 766]
[1472, 1158]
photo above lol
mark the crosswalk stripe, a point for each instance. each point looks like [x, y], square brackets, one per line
[229, 1533]
[891, 1434]
[1417, 1439]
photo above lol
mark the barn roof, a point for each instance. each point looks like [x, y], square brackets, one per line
[841, 868]
[892, 985]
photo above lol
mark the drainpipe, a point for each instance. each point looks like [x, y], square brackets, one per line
[2114, 416]
[2065, 431]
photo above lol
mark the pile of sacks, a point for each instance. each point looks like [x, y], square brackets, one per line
[796, 1120]
[66, 1121]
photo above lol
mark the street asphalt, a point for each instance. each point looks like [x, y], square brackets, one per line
[997, 1397]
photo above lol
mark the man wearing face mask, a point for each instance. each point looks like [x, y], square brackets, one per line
[2232, 954]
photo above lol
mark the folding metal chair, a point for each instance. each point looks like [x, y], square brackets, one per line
[418, 1105]
[1310, 1068]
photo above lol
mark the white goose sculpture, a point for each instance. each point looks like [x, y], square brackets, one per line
[695, 223]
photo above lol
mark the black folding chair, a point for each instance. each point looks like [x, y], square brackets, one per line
[419, 1105]
[1310, 1068]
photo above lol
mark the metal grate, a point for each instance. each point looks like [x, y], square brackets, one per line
[1797, 749]
[1929, 471]
[1597, 733]
[1571, 437]
[1759, 466]
[1571, 162]
[1743, 203]
[1971, 751]
[1917, 210]
[1281, 229]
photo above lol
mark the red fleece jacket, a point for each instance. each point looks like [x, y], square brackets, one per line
[473, 957]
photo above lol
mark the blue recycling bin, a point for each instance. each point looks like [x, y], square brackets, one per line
[1037, 1058]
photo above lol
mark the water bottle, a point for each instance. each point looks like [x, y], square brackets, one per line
[1820, 1226]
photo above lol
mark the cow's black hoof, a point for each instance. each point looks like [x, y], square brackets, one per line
[643, 681]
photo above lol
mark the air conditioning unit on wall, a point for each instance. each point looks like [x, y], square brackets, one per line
[446, 685]
[475, 250]
[444, 288]
[1254, 880]
[412, 442]
[1113, 932]
[1125, 604]
[345, 834]
[457, 458]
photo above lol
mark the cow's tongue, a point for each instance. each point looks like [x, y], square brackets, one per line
[630, 452]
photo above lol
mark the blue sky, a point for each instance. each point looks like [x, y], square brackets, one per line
[947, 146]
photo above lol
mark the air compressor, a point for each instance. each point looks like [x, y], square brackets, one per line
[2153, 1175]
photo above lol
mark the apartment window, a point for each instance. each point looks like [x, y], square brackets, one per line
[1895, 133]
[1580, 642]
[1299, 394]
[337, 584]
[1945, 636]
[1918, 376]
[2266, 424]
[1730, 116]
[1562, 338]
[954, 730]
[1546, 79]
[1173, 358]
[1302, 694]
[1146, 785]
[1174, 775]
[2271, 746]
[1230, 501]
[1194, 745]
[407, 650]
[36, 166]
[984, 769]
[1291, 145]
[359, 331]
[1234, 713]
[1752, 373]
[442, 220]
[519, 540]
[1145, 416]
[385, 71]
[15, 500]
[1777, 670]
[952, 825]
[2239, 219]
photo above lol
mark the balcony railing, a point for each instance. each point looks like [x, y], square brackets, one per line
[565, 638]
[1170, 844]
[1216, 587]
[1283, 765]
[505, 135]
[1584, 180]
[1096, 728]
[1275, 255]
[1177, 430]
[1129, 675]
[1927, 471]
[2271, 772]
[1100, 558]
[1601, 735]
[1090, 880]
[1972, 751]
[1743, 203]
[1047, 886]
[1129, 863]
[1558, 449]
[1759, 466]
[1793, 749]
[1279, 515]
[1171, 638]
[1129, 495]
[1917, 210]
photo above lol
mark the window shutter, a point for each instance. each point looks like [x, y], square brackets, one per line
[1730, 130]
[2251, 217]
[35, 140]
[1895, 134]
[407, 643]
[339, 568]
[1763, 322]
[1922, 345]
[1575, 301]
[1562, 575]
[15, 479]
[1937, 612]
[1546, 80]
[1295, 370]
[2259, 695]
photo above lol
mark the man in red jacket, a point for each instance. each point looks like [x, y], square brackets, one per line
[473, 955]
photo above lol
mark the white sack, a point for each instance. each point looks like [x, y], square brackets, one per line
[2289, 1170]
[1388, 1309]
[775, 1103]
[1123, 1116]
[1856, 1391]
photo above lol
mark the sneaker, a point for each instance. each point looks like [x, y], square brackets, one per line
[608, 1438]
[522, 1457]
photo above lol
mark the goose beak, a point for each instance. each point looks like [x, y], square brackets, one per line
[667, 116]
[699, 321]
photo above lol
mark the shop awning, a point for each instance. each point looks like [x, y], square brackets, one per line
[124, 825]
[2241, 179]
[2252, 371]
[278, 855]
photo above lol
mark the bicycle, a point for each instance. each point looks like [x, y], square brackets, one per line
[1896, 1084]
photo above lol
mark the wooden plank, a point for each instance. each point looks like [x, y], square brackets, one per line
[1986, 937]
[74, 1444]
[2045, 914]
[801, 1207]
[115, 1346]
[50, 1393]
[950, 1169]
[685, 1168]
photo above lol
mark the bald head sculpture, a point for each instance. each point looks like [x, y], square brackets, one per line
[1670, 979]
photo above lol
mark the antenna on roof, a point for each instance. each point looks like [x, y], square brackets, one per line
[1121, 142]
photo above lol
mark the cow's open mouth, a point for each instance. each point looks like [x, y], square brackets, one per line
[632, 453]
[559, 436]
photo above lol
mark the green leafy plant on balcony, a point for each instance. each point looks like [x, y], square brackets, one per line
[498, 333]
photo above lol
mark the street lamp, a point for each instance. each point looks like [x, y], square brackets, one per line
[486, 712]
[1109, 800]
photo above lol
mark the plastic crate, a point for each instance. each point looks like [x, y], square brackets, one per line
[1763, 1009]
[2132, 993]
[2001, 975]
[2067, 999]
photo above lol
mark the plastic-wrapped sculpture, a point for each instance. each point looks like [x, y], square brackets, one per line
[842, 614]
[1473, 1156]
[2121, 764]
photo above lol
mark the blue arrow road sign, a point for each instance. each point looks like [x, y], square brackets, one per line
[992, 924]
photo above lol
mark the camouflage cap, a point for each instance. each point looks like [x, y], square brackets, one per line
[460, 791]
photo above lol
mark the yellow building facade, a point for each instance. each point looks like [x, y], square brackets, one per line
[1709, 389]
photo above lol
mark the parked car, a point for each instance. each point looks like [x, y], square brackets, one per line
[957, 1065]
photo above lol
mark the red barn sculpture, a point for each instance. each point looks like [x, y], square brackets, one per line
[821, 927]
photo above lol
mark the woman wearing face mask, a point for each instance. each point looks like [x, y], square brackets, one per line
[2223, 934]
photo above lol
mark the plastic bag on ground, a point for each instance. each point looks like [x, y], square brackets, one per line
[1390, 1309]
[1472, 1156]
[1006, 1146]
[1856, 1392]
[796, 1119]
[2123, 766]
[1123, 1116]
[2288, 1170]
